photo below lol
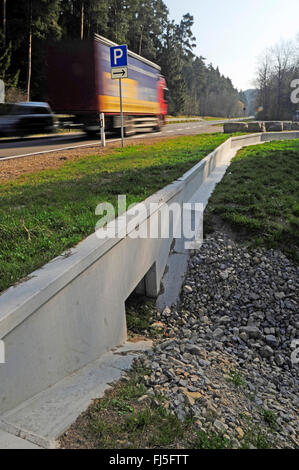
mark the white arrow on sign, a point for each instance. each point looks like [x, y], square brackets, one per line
[119, 72]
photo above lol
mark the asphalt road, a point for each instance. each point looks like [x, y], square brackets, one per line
[10, 148]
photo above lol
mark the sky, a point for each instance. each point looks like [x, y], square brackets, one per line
[233, 33]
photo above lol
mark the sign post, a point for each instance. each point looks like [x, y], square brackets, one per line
[2, 91]
[102, 127]
[119, 70]
[121, 114]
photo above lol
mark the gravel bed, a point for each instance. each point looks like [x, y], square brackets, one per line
[230, 360]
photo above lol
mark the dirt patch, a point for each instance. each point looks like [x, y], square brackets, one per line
[214, 223]
[11, 169]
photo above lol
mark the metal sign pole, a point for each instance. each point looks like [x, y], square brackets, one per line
[121, 114]
[119, 70]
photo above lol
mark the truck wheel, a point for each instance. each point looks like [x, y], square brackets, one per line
[158, 127]
[130, 130]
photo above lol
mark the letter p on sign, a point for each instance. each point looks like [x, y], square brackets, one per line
[118, 53]
[118, 56]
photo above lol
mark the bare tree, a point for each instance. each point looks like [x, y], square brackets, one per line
[283, 59]
[263, 81]
[277, 68]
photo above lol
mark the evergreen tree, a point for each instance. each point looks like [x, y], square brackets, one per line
[10, 79]
[28, 23]
[195, 88]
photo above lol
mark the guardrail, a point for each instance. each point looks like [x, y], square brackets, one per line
[72, 310]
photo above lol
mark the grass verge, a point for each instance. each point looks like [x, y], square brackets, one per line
[45, 213]
[183, 121]
[258, 197]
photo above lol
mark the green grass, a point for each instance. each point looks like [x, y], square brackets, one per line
[45, 213]
[236, 378]
[210, 441]
[215, 118]
[254, 436]
[139, 313]
[271, 418]
[258, 197]
[181, 121]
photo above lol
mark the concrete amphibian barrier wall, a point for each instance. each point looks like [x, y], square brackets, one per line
[71, 311]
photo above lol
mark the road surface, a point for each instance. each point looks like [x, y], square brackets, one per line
[10, 148]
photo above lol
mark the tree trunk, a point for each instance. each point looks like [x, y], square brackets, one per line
[82, 20]
[140, 42]
[4, 23]
[29, 53]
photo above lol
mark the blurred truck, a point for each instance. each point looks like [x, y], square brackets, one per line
[80, 85]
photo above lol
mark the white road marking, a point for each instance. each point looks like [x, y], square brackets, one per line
[41, 152]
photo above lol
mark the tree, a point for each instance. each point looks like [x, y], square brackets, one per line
[29, 23]
[142, 24]
[10, 79]
[178, 43]
[278, 67]
[146, 27]
[4, 22]
[82, 18]
[119, 17]
[282, 62]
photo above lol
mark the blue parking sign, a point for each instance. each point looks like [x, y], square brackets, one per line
[119, 56]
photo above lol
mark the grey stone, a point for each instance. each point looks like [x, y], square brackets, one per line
[256, 126]
[271, 341]
[279, 360]
[287, 125]
[251, 331]
[218, 333]
[231, 127]
[274, 126]
[267, 352]
[193, 349]
[225, 319]
[224, 275]
[220, 426]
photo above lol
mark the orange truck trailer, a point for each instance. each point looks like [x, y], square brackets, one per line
[80, 85]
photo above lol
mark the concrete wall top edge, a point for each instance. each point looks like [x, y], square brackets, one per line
[192, 172]
[245, 137]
